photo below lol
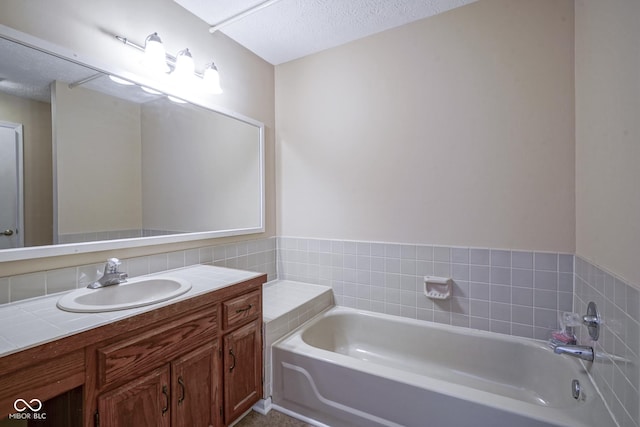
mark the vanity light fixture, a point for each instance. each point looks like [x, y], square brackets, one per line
[155, 57]
[185, 68]
[181, 66]
[211, 79]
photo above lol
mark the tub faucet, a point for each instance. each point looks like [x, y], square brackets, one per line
[111, 275]
[583, 352]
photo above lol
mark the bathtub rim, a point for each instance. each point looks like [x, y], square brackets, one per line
[293, 342]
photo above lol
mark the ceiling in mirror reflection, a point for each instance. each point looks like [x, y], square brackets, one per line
[220, 188]
[28, 73]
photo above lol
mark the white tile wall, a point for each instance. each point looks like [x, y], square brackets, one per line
[511, 292]
[253, 255]
[617, 369]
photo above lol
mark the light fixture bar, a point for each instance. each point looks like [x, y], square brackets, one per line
[241, 15]
[170, 58]
[128, 42]
[175, 65]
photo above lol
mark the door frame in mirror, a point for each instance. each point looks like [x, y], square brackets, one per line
[87, 247]
[18, 234]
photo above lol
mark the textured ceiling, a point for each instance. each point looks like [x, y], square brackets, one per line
[290, 29]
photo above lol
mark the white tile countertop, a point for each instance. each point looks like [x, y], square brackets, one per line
[29, 323]
[283, 296]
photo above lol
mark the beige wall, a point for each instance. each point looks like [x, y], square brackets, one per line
[36, 120]
[98, 161]
[608, 135]
[87, 28]
[456, 130]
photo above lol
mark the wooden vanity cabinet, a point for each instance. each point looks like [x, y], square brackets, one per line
[242, 372]
[242, 350]
[196, 362]
[183, 393]
[195, 369]
[194, 379]
[142, 402]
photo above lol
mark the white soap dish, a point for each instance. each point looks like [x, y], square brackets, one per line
[437, 287]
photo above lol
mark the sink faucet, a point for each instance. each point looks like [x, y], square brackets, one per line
[111, 275]
[580, 351]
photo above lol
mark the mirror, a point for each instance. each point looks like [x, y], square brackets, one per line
[109, 163]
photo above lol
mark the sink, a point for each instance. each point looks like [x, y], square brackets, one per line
[133, 293]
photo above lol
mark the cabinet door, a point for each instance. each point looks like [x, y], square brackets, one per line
[242, 369]
[139, 403]
[195, 379]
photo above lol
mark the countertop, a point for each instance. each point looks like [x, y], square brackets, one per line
[32, 322]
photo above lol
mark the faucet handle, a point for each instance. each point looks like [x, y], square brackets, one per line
[592, 321]
[111, 267]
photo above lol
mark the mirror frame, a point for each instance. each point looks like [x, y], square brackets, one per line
[17, 254]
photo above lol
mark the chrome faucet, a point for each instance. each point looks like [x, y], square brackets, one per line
[111, 275]
[583, 352]
[592, 321]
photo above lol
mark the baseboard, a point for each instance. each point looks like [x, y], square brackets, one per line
[263, 406]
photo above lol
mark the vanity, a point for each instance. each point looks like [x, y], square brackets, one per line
[195, 360]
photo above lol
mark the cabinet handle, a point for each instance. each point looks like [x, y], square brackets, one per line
[166, 396]
[240, 310]
[233, 365]
[8, 232]
[184, 391]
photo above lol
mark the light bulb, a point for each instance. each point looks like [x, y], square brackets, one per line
[184, 65]
[155, 57]
[211, 79]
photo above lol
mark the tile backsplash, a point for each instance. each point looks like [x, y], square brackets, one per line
[254, 255]
[616, 370]
[511, 292]
[507, 291]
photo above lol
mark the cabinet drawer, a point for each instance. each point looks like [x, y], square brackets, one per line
[148, 350]
[240, 310]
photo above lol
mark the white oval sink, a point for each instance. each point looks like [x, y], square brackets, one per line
[131, 294]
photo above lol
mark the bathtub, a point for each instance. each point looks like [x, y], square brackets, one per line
[347, 367]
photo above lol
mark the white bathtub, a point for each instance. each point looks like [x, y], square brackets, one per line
[355, 368]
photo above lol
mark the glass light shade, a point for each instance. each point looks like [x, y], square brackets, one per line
[184, 66]
[211, 79]
[120, 80]
[176, 100]
[151, 91]
[155, 57]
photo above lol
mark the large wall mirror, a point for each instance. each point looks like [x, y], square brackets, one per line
[100, 165]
